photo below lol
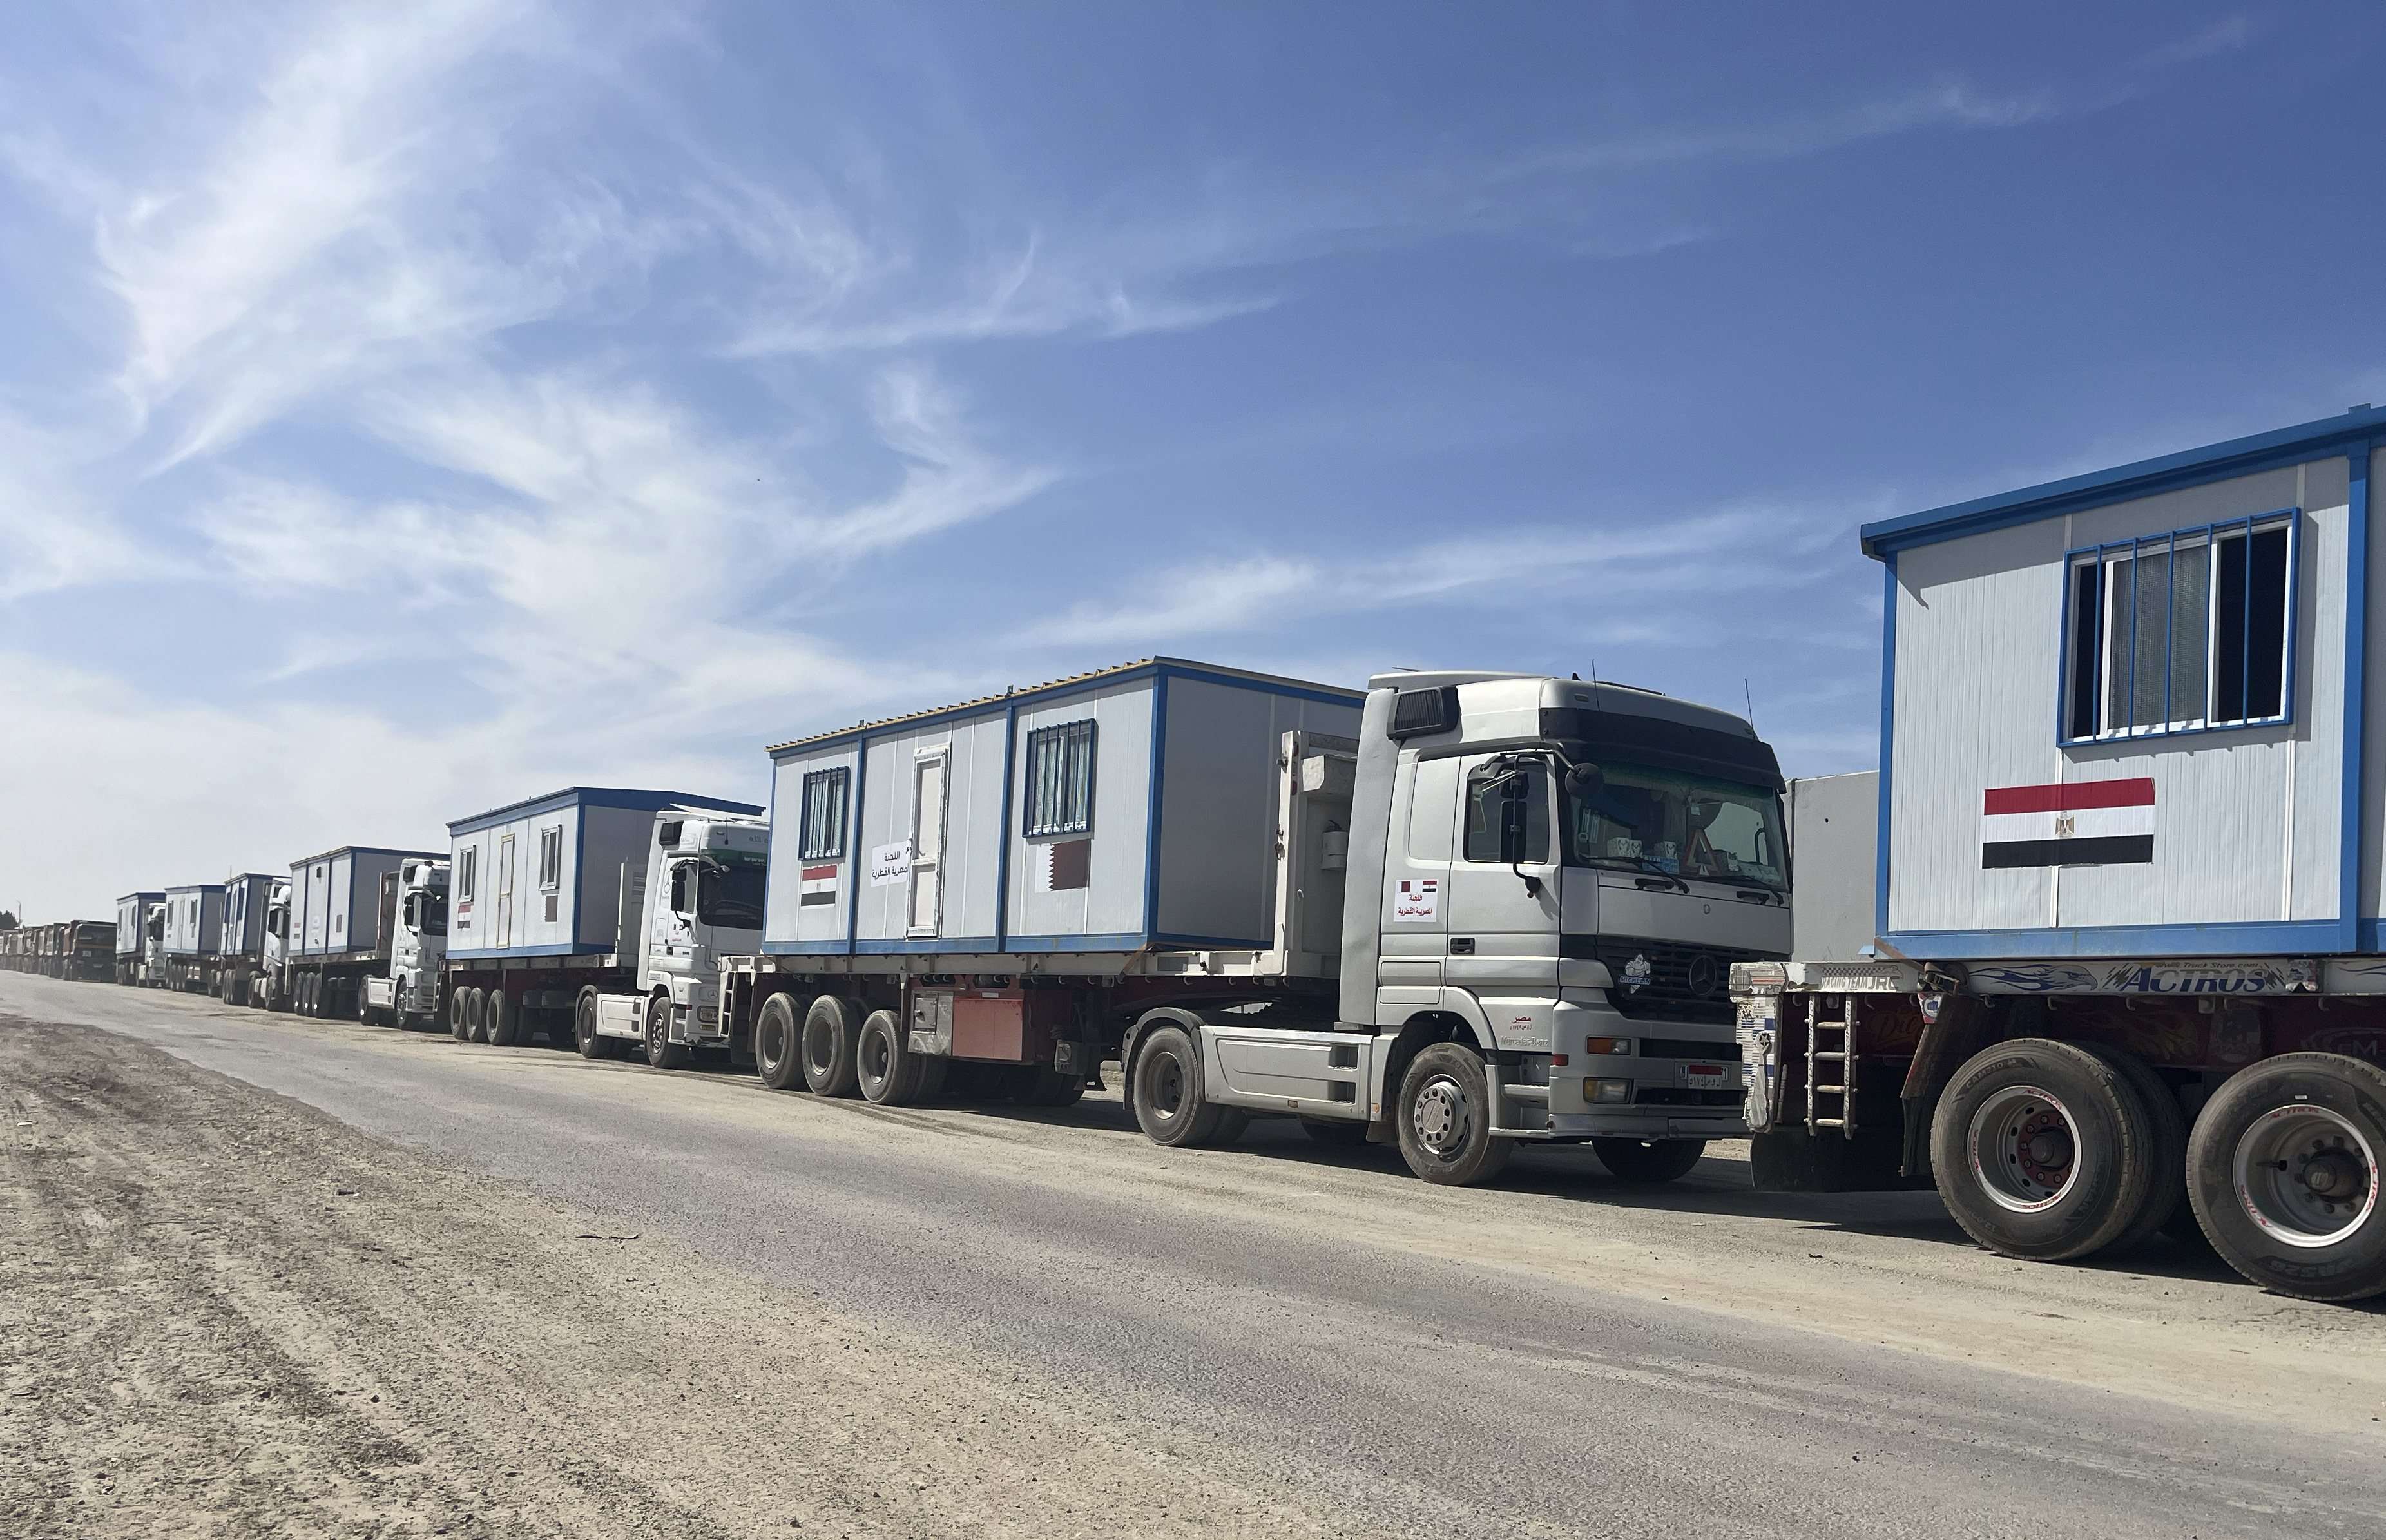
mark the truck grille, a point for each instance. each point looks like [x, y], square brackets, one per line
[1667, 1096]
[1666, 980]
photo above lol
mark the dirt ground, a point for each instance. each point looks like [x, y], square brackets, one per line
[223, 1314]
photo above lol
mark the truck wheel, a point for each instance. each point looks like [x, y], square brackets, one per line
[884, 1064]
[2166, 1128]
[592, 1044]
[1334, 1130]
[1048, 1087]
[778, 1042]
[476, 1019]
[310, 1002]
[831, 1029]
[2284, 1174]
[501, 1019]
[1168, 1104]
[1445, 1118]
[2044, 1150]
[661, 1052]
[1649, 1160]
[459, 1026]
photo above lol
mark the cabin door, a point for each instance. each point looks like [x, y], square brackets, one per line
[506, 890]
[928, 778]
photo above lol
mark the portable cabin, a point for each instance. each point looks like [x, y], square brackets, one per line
[339, 903]
[131, 911]
[1127, 807]
[546, 877]
[245, 898]
[2128, 714]
[194, 918]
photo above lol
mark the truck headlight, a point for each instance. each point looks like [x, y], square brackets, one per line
[1610, 1091]
[1622, 1045]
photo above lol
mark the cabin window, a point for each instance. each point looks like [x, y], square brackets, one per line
[2180, 633]
[1059, 780]
[823, 834]
[1520, 791]
[467, 869]
[551, 859]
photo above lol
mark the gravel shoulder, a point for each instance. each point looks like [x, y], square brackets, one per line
[222, 1313]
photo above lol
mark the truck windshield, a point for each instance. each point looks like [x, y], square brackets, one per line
[732, 896]
[1647, 819]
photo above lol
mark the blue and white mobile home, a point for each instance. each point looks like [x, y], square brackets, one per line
[246, 898]
[544, 877]
[337, 900]
[2130, 713]
[1133, 806]
[194, 920]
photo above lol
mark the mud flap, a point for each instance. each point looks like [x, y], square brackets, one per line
[1792, 1160]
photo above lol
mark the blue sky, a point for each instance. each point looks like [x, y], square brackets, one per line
[404, 410]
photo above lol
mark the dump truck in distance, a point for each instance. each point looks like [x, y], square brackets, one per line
[1455, 912]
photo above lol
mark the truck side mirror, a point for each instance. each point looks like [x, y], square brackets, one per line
[1585, 781]
[1513, 822]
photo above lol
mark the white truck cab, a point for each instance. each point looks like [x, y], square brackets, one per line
[408, 994]
[700, 900]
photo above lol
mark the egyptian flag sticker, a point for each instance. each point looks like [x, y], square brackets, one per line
[2080, 823]
[819, 885]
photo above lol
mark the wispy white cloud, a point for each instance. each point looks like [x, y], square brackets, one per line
[1627, 582]
[1943, 104]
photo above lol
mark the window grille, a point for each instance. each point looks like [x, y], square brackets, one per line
[1060, 794]
[822, 838]
[2180, 633]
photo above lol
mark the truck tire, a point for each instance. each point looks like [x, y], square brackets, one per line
[1168, 1093]
[2044, 1150]
[832, 1027]
[884, 1064]
[2284, 1170]
[1334, 1130]
[778, 1042]
[1649, 1160]
[476, 1025]
[459, 1026]
[1444, 1119]
[1048, 1087]
[2166, 1126]
[310, 995]
[661, 1052]
[501, 1019]
[591, 1043]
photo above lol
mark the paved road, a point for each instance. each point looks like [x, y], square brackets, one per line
[1379, 1346]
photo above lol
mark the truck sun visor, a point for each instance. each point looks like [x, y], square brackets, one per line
[1667, 744]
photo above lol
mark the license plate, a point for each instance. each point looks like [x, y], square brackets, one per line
[1713, 1076]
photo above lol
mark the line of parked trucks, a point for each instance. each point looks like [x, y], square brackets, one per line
[2096, 951]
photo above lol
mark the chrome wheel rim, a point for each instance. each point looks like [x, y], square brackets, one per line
[1442, 1114]
[2305, 1175]
[2025, 1149]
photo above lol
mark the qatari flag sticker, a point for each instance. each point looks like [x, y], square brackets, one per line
[2079, 823]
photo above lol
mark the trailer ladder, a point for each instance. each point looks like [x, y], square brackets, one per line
[1842, 1059]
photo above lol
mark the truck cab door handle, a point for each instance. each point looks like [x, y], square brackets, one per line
[1462, 946]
